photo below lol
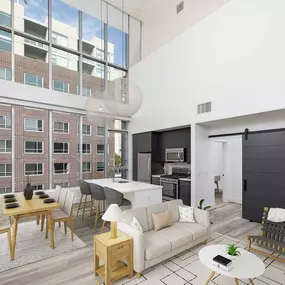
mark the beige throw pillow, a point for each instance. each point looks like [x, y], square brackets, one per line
[161, 220]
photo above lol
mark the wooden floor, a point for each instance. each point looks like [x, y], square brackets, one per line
[76, 268]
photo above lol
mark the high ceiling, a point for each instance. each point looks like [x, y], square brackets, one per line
[131, 7]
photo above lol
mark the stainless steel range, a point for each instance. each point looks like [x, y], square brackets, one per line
[170, 183]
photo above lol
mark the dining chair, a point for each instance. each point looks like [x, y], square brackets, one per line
[64, 215]
[5, 227]
[61, 201]
[115, 197]
[98, 196]
[57, 193]
[85, 191]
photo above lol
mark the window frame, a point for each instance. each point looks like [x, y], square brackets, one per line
[5, 172]
[103, 168]
[62, 82]
[5, 149]
[37, 77]
[5, 123]
[25, 119]
[59, 132]
[5, 73]
[68, 165]
[68, 148]
[86, 134]
[37, 164]
[37, 143]
[78, 148]
[100, 153]
[100, 135]
[90, 166]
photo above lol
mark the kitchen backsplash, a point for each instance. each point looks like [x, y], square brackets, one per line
[169, 166]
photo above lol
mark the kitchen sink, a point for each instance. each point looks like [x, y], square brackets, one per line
[122, 181]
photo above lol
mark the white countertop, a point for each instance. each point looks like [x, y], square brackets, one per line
[156, 175]
[131, 186]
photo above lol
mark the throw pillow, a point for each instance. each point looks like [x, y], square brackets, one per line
[136, 224]
[186, 214]
[161, 220]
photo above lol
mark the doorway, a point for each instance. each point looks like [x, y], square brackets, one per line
[218, 173]
[227, 170]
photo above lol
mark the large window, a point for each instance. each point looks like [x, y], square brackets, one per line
[109, 36]
[60, 147]
[33, 125]
[33, 147]
[34, 169]
[100, 131]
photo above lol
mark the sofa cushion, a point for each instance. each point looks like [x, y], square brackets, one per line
[197, 230]
[155, 245]
[141, 216]
[173, 209]
[176, 236]
[154, 209]
[161, 220]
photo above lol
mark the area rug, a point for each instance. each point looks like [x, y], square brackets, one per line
[186, 268]
[32, 246]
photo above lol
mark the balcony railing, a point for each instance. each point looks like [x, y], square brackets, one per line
[36, 44]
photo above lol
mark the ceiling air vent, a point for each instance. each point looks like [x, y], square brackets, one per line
[180, 7]
[204, 108]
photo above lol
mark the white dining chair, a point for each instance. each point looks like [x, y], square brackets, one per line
[57, 193]
[65, 215]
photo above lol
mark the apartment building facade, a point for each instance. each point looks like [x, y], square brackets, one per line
[47, 148]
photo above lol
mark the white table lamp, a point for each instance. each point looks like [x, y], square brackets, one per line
[113, 214]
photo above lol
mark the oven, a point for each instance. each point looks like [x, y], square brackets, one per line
[169, 189]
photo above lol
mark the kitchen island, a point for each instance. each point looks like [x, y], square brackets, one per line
[140, 194]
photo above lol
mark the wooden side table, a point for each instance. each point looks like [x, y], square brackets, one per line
[112, 251]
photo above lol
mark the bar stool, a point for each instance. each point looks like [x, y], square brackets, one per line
[85, 191]
[98, 196]
[115, 197]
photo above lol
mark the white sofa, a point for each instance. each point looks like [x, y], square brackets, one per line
[152, 247]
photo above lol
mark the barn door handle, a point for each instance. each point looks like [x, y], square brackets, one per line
[244, 185]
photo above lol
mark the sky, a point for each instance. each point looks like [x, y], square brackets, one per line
[38, 10]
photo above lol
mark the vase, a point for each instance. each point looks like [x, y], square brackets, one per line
[28, 192]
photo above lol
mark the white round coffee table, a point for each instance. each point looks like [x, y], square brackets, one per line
[246, 266]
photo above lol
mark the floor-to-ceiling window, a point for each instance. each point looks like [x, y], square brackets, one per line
[48, 44]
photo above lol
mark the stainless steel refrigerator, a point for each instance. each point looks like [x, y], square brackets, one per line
[144, 167]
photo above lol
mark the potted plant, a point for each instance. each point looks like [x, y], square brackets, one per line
[232, 251]
[204, 208]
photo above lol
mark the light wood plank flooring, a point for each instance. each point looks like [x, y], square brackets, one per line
[76, 268]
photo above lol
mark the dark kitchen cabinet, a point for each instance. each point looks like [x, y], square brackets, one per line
[185, 192]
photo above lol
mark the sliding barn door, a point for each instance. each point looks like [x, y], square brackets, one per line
[263, 173]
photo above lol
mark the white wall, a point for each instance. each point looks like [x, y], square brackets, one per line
[162, 24]
[234, 58]
[233, 173]
[201, 176]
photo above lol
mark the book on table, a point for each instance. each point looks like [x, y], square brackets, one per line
[222, 262]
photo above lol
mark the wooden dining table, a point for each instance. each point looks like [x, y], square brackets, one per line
[29, 208]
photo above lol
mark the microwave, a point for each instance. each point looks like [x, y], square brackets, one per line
[174, 155]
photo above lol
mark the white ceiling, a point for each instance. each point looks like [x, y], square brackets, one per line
[131, 7]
